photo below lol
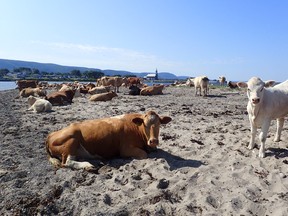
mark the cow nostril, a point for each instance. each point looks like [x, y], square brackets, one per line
[255, 100]
[153, 141]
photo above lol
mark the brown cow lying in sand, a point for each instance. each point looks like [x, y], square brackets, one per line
[26, 84]
[152, 90]
[26, 92]
[125, 135]
[103, 96]
[99, 90]
[61, 98]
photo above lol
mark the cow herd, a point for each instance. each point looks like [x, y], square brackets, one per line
[130, 135]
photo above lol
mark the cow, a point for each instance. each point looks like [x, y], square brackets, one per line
[61, 97]
[189, 82]
[39, 104]
[26, 84]
[201, 83]
[134, 90]
[265, 104]
[99, 89]
[116, 82]
[134, 81]
[84, 88]
[222, 80]
[103, 96]
[128, 135]
[26, 92]
[65, 87]
[152, 90]
[232, 85]
[77, 91]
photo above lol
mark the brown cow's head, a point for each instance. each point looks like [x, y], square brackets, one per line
[151, 123]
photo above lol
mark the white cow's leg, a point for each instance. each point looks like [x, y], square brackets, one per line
[72, 163]
[280, 123]
[262, 137]
[252, 138]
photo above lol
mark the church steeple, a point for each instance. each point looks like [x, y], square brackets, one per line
[156, 74]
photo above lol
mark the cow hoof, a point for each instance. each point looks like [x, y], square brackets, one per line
[261, 154]
[250, 146]
[90, 168]
[277, 140]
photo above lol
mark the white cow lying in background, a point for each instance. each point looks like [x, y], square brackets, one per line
[39, 104]
[264, 105]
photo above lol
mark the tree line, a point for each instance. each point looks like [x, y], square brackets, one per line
[24, 72]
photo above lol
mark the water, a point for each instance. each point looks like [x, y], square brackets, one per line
[6, 85]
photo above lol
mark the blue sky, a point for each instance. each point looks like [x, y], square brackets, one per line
[235, 38]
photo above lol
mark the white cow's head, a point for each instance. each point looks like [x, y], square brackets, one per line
[255, 89]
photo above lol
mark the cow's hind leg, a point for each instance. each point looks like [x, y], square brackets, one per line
[72, 163]
[134, 152]
[69, 154]
[280, 123]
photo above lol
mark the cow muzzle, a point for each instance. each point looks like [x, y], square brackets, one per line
[255, 100]
[153, 142]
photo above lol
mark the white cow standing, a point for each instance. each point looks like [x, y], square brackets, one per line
[201, 83]
[264, 105]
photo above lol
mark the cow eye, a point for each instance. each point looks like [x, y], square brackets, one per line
[261, 89]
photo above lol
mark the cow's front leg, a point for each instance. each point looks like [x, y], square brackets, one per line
[262, 138]
[134, 152]
[280, 123]
[252, 138]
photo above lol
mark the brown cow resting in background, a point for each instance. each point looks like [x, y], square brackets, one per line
[103, 96]
[26, 84]
[61, 97]
[232, 85]
[126, 136]
[152, 90]
[26, 92]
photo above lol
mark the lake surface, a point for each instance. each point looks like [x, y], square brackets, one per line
[6, 85]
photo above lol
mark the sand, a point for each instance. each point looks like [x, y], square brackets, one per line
[202, 166]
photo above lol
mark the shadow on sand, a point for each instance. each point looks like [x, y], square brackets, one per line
[175, 162]
[277, 153]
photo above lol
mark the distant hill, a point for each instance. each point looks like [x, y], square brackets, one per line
[54, 68]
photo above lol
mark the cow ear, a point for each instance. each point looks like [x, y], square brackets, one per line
[165, 119]
[242, 84]
[137, 121]
[269, 83]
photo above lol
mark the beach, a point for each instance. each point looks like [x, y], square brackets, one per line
[201, 167]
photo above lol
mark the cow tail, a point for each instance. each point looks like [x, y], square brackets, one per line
[55, 161]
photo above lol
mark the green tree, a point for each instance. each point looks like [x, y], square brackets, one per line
[92, 74]
[35, 71]
[3, 72]
[75, 73]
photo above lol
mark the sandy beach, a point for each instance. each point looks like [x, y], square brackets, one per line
[202, 165]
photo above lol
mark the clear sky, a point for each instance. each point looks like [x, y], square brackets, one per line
[235, 38]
